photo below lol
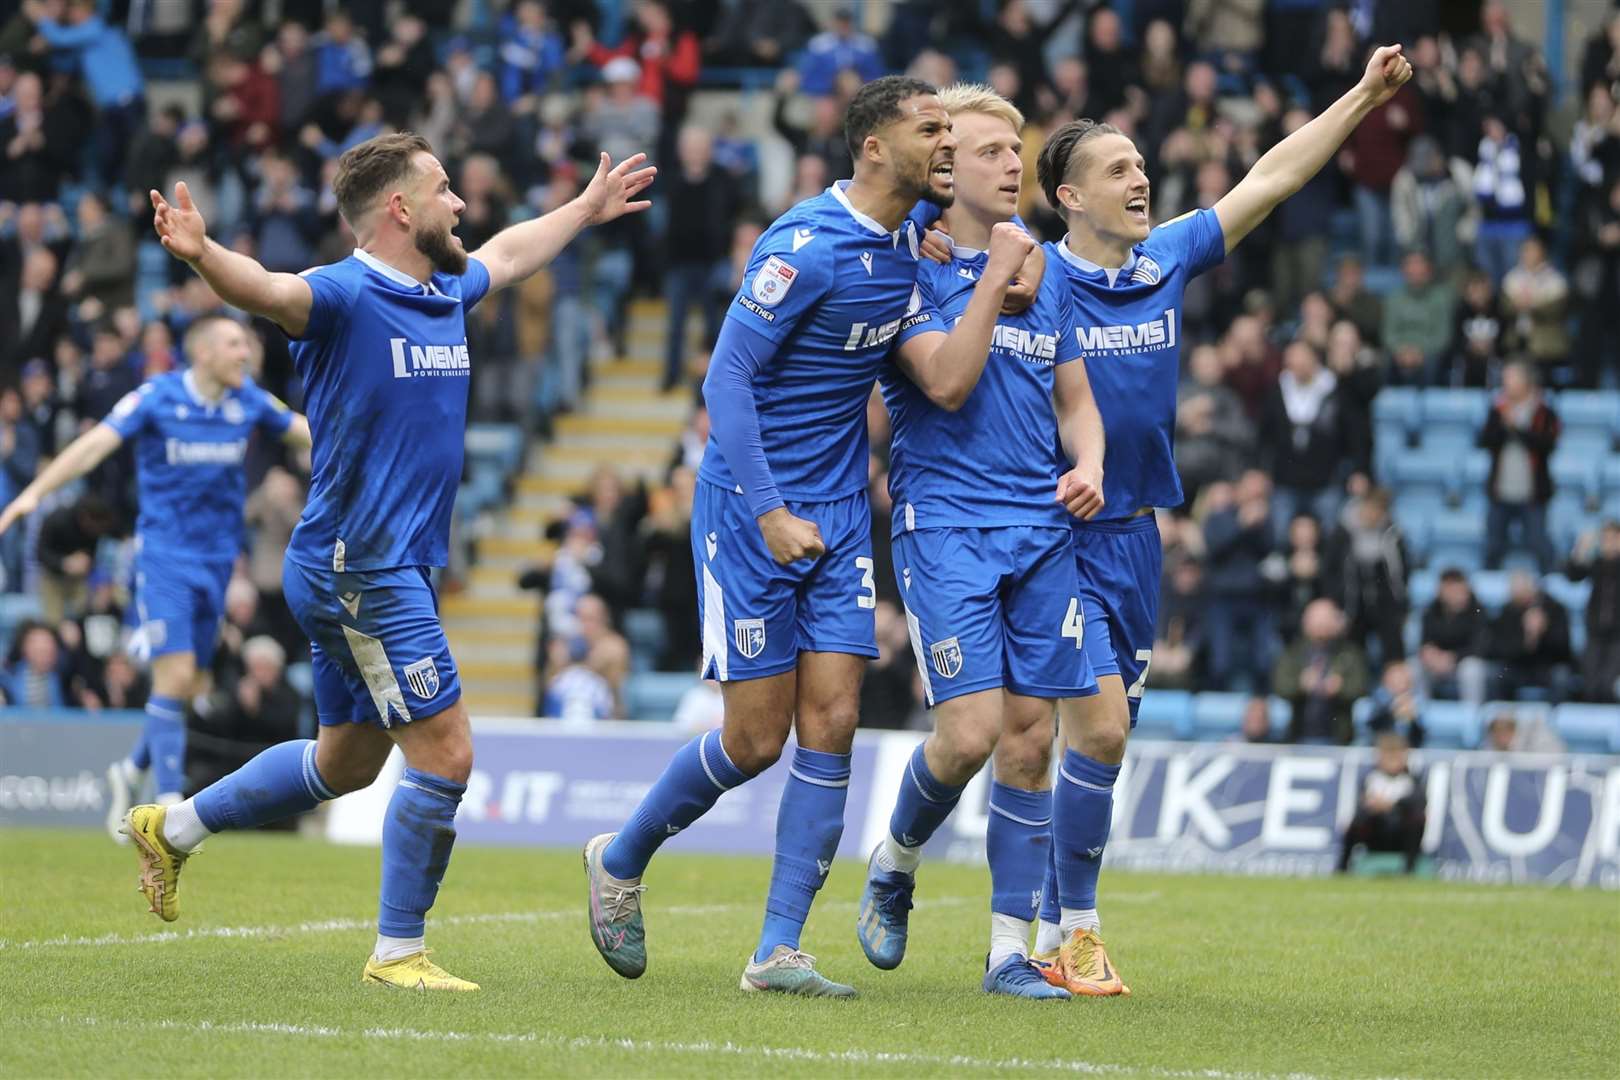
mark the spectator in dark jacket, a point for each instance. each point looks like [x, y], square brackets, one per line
[1237, 620]
[1296, 572]
[1393, 807]
[1530, 640]
[1214, 436]
[1398, 704]
[1477, 331]
[67, 552]
[1302, 438]
[1598, 557]
[1455, 638]
[703, 203]
[1520, 432]
[1365, 568]
[1321, 675]
[1372, 155]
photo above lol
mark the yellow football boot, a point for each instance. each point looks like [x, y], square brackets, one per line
[1083, 967]
[1047, 964]
[413, 972]
[160, 863]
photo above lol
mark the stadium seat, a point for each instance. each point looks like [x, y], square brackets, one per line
[644, 629]
[1217, 715]
[1424, 470]
[1398, 405]
[1490, 588]
[1567, 518]
[1589, 729]
[1455, 408]
[1415, 512]
[499, 443]
[1455, 539]
[653, 695]
[1421, 587]
[1450, 725]
[1448, 440]
[1611, 476]
[1165, 714]
[1361, 711]
[1575, 469]
[1475, 470]
[1589, 410]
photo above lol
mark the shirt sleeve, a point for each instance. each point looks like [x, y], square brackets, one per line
[330, 298]
[922, 317]
[728, 390]
[131, 413]
[781, 284]
[1196, 238]
[474, 284]
[274, 416]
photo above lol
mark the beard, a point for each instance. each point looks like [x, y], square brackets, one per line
[441, 249]
[918, 182]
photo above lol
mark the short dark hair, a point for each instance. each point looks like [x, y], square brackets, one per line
[1052, 167]
[367, 170]
[877, 104]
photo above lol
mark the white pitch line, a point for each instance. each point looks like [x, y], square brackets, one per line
[658, 1046]
[329, 926]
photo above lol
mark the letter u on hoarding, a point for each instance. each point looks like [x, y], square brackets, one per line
[1493, 818]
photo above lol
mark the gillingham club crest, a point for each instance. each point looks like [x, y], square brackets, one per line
[423, 678]
[750, 636]
[947, 656]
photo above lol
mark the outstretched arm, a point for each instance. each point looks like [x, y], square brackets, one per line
[284, 299]
[947, 366]
[519, 250]
[82, 455]
[1286, 167]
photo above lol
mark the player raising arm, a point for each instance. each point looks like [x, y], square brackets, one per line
[380, 342]
[190, 431]
[1126, 283]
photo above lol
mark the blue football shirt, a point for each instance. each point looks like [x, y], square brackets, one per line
[188, 461]
[829, 286]
[1128, 328]
[385, 368]
[989, 463]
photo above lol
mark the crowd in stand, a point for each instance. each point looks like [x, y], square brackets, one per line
[1465, 237]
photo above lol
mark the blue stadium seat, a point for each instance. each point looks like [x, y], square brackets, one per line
[1475, 470]
[1567, 518]
[1216, 715]
[1490, 588]
[1611, 476]
[1421, 587]
[498, 443]
[1575, 469]
[1572, 594]
[644, 630]
[1589, 410]
[1590, 729]
[1449, 440]
[1361, 711]
[1466, 557]
[1415, 512]
[653, 695]
[1450, 725]
[1423, 470]
[1457, 539]
[1398, 405]
[1165, 714]
[1455, 408]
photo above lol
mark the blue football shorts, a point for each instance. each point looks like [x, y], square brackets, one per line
[1120, 562]
[992, 608]
[757, 616]
[377, 647]
[179, 602]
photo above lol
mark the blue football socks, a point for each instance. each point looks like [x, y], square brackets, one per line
[1018, 843]
[1081, 813]
[418, 833]
[695, 778]
[924, 803]
[280, 782]
[809, 823]
[163, 745]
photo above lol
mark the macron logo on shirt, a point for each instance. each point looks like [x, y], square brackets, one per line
[412, 360]
[1159, 333]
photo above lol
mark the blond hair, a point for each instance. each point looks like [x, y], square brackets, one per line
[979, 98]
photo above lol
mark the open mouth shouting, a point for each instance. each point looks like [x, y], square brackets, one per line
[1136, 210]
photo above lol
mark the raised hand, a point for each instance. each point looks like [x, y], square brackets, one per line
[1386, 73]
[611, 190]
[1009, 247]
[180, 227]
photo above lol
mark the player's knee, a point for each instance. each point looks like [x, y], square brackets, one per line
[754, 751]
[965, 751]
[452, 759]
[342, 777]
[1024, 760]
[1105, 742]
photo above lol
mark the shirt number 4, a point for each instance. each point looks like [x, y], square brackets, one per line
[1074, 623]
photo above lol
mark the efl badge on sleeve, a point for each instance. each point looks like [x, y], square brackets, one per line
[772, 281]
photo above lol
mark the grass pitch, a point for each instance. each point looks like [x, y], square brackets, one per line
[1232, 977]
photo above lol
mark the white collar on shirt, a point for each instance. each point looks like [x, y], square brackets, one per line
[1090, 267]
[188, 379]
[399, 277]
[837, 192]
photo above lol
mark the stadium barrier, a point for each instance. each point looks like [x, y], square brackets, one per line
[1214, 807]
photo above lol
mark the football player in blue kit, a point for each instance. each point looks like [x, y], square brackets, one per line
[1126, 282]
[190, 431]
[984, 555]
[379, 340]
[781, 531]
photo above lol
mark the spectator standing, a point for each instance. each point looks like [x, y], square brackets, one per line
[106, 62]
[1499, 189]
[1321, 675]
[33, 313]
[1530, 641]
[1476, 334]
[1520, 431]
[1428, 207]
[838, 48]
[1597, 280]
[37, 144]
[102, 265]
[1392, 811]
[1303, 224]
[668, 58]
[1596, 557]
[1536, 297]
[1455, 637]
[68, 538]
[761, 35]
[1372, 155]
[1237, 620]
[1365, 564]
[703, 202]
[1417, 323]
[1214, 436]
[532, 51]
[1303, 438]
